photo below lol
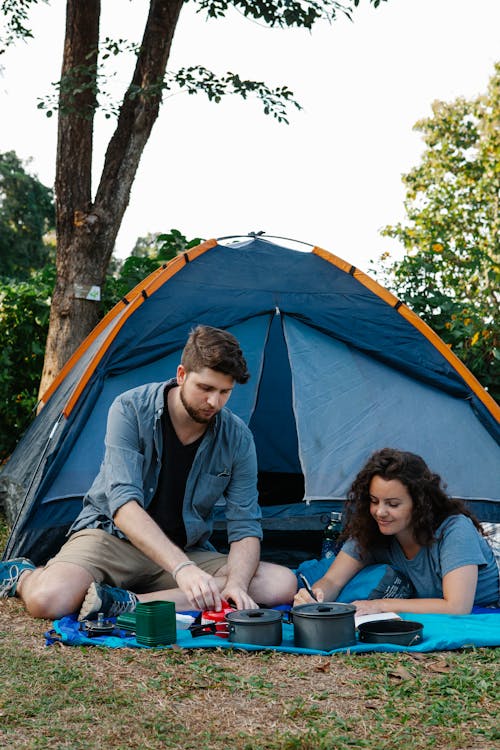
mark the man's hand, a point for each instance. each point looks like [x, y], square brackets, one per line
[200, 588]
[242, 563]
[233, 593]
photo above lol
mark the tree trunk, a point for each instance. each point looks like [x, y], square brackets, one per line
[86, 230]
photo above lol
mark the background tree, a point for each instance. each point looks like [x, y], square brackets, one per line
[450, 273]
[24, 323]
[87, 224]
[26, 215]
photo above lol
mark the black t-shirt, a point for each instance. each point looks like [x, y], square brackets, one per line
[176, 461]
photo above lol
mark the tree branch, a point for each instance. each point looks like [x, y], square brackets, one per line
[136, 119]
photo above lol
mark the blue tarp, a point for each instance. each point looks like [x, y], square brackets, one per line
[440, 633]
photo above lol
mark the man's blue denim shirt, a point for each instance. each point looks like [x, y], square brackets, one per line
[224, 468]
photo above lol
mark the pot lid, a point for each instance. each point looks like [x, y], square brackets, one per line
[253, 616]
[324, 609]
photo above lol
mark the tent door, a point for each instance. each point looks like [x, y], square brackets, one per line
[281, 481]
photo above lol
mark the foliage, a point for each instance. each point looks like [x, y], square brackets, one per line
[16, 13]
[24, 320]
[26, 281]
[193, 79]
[277, 13]
[283, 12]
[196, 78]
[26, 215]
[148, 254]
[450, 273]
[163, 247]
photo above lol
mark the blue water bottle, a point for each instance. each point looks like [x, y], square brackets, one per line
[331, 535]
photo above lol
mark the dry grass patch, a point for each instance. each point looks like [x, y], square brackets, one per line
[90, 697]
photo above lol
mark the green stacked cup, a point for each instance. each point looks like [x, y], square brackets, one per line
[155, 623]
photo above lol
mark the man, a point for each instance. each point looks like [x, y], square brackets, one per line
[172, 451]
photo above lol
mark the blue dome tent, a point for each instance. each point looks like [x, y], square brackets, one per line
[339, 368]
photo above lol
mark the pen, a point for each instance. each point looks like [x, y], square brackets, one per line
[307, 586]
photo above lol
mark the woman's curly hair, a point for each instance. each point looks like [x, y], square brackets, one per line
[431, 504]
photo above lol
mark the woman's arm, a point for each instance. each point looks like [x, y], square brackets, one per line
[459, 589]
[327, 588]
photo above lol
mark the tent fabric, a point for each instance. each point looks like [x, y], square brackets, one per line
[339, 368]
[430, 416]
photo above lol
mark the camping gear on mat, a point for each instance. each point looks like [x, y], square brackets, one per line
[126, 622]
[155, 623]
[95, 628]
[261, 627]
[215, 619]
[335, 361]
[323, 625]
[400, 632]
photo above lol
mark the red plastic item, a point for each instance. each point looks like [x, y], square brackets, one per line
[209, 616]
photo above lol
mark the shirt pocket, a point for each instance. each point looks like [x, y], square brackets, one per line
[210, 488]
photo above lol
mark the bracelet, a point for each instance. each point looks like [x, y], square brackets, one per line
[179, 567]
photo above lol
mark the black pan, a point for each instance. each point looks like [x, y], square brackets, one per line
[399, 632]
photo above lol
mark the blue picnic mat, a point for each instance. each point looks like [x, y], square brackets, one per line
[440, 633]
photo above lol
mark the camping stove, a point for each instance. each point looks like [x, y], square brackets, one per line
[97, 627]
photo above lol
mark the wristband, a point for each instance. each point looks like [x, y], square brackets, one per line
[179, 567]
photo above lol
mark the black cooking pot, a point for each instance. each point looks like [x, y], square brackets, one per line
[259, 627]
[400, 632]
[323, 625]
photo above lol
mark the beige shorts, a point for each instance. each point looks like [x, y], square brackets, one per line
[116, 561]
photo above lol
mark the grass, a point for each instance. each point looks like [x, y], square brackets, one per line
[63, 697]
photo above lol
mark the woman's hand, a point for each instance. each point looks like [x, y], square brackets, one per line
[369, 606]
[327, 588]
[304, 597]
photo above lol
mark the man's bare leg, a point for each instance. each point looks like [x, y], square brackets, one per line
[55, 591]
[273, 585]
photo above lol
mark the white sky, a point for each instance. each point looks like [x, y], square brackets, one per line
[332, 177]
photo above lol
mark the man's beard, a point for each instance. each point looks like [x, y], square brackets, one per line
[195, 415]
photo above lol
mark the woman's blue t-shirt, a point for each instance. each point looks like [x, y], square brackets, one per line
[458, 543]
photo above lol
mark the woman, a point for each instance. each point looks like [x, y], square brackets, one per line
[399, 514]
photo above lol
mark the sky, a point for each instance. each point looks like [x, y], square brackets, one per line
[332, 177]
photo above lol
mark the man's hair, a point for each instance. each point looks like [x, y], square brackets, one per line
[217, 349]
